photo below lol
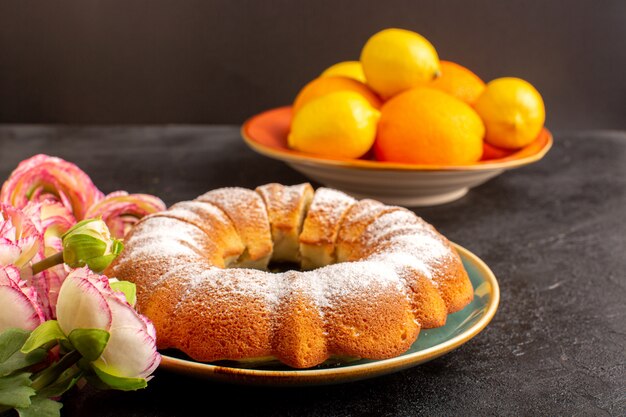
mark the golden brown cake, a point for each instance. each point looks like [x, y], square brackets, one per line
[213, 222]
[321, 227]
[286, 209]
[382, 275]
[246, 210]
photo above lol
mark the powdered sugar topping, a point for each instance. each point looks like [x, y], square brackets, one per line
[397, 241]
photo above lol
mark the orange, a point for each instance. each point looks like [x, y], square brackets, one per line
[493, 152]
[428, 126]
[325, 85]
[459, 81]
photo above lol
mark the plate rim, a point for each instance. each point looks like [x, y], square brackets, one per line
[352, 372]
[298, 157]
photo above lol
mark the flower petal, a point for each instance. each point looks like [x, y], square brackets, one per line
[18, 310]
[51, 281]
[81, 305]
[131, 351]
[9, 251]
[120, 211]
[18, 233]
[56, 219]
[29, 247]
[10, 275]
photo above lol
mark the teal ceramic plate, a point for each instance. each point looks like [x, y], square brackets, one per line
[460, 328]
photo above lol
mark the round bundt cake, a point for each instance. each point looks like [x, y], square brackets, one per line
[372, 275]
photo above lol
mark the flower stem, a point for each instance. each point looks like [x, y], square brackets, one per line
[50, 261]
[51, 374]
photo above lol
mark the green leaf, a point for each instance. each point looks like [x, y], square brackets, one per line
[93, 380]
[84, 365]
[53, 372]
[62, 384]
[128, 288]
[15, 390]
[11, 358]
[117, 246]
[89, 342]
[41, 407]
[120, 383]
[46, 332]
[99, 263]
[21, 360]
[11, 340]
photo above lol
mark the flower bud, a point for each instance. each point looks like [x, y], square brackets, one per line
[87, 301]
[89, 243]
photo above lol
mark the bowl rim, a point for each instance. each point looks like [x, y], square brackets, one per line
[292, 156]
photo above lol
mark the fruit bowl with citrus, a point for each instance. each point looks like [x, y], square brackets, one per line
[402, 126]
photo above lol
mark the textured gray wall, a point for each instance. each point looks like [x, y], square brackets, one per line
[220, 61]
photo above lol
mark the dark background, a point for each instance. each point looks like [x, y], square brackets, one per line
[220, 61]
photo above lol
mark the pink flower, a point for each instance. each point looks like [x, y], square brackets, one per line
[120, 210]
[28, 236]
[20, 240]
[86, 301]
[52, 219]
[19, 305]
[48, 284]
[56, 183]
[44, 177]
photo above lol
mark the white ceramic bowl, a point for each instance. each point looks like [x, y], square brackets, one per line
[391, 183]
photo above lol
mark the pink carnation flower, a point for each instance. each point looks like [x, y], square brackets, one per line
[20, 240]
[44, 177]
[67, 194]
[19, 304]
[120, 210]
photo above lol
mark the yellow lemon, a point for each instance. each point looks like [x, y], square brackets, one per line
[513, 112]
[341, 124]
[395, 60]
[349, 69]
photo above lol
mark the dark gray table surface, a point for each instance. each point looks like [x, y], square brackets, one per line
[554, 233]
